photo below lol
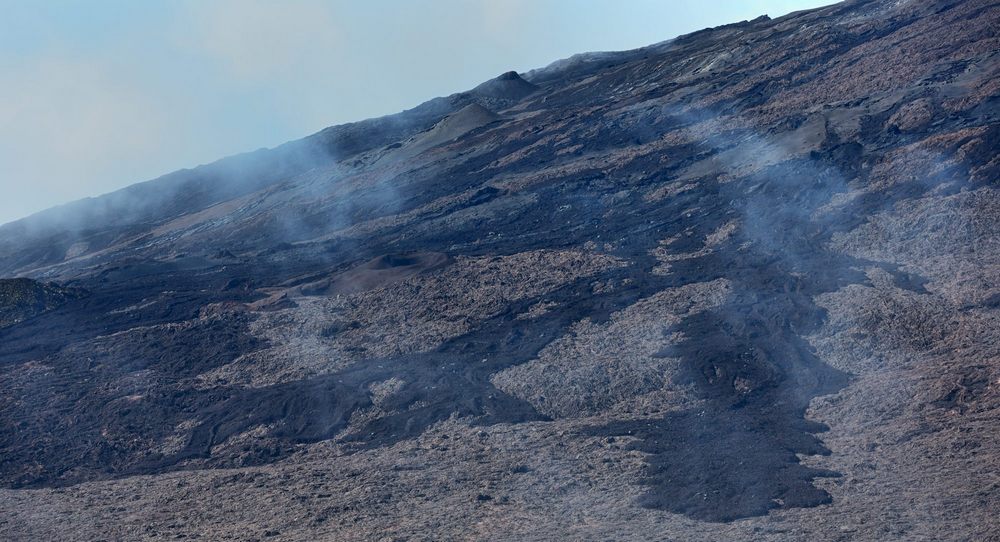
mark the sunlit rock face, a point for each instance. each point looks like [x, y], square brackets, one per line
[739, 285]
[23, 298]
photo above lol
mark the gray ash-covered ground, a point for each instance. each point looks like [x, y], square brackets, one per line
[737, 285]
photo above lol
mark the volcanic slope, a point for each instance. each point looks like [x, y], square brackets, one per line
[739, 285]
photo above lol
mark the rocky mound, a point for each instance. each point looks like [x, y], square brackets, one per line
[508, 87]
[450, 128]
[23, 298]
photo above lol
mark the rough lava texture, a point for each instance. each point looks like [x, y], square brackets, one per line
[23, 298]
[739, 285]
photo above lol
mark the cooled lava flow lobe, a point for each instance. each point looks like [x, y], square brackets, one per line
[748, 359]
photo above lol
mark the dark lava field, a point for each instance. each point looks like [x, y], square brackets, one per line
[739, 285]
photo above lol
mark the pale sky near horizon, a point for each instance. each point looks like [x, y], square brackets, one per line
[98, 95]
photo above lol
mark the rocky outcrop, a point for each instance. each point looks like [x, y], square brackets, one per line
[21, 299]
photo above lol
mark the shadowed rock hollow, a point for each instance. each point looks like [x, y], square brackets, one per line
[737, 285]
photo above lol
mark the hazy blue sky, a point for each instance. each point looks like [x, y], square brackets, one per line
[98, 95]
